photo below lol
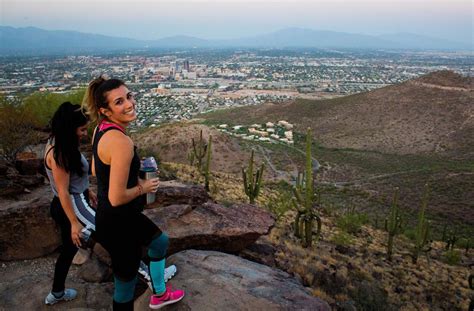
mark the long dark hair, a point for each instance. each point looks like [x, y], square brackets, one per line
[96, 96]
[64, 124]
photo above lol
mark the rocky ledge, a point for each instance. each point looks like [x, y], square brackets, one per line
[218, 281]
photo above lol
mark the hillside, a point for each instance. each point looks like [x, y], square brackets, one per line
[422, 116]
[406, 135]
[173, 143]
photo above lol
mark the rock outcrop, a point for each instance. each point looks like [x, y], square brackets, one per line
[209, 226]
[212, 226]
[27, 229]
[172, 192]
[218, 281]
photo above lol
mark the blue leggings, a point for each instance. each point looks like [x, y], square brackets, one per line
[124, 291]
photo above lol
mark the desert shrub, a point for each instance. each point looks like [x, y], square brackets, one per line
[465, 243]
[166, 172]
[280, 204]
[17, 128]
[410, 233]
[351, 222]
[370, 296]
[342, 239]
[452, 257]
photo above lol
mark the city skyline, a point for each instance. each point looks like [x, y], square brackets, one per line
[150, 20]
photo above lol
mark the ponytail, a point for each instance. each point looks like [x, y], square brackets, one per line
[96, 96]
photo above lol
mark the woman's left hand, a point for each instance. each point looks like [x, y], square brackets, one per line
[93, 198]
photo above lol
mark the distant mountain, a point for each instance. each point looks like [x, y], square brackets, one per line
[35, 40]
[298, 37]
[409, 40]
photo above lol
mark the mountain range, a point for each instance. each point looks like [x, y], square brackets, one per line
[36, 40]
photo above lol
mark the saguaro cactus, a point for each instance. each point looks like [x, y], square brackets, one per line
[304, 201]
[207, 166]
[451, 238]
[196, 156]
[422, 229]
[198, 151]
[393, 225]
[252, 181]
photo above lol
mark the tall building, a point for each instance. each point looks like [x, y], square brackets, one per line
[173, 68]
[186, 65]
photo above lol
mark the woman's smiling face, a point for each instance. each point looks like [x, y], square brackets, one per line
[121, 108]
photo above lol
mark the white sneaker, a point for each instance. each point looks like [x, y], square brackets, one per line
[169, 273]
[69, 294]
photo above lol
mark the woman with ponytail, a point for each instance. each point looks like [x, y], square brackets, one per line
[121, 227]
[67, 170]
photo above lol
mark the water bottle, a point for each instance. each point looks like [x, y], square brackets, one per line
[86, 240]
[148, 170]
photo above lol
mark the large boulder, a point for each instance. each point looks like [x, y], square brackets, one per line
[209, 226]
[172, 192]
[212, 226]
[28, 163]
[27, 229]
[218, 281]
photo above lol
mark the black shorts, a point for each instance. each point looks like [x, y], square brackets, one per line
[125, 236]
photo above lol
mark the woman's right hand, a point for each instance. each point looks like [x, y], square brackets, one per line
[149, 185]
[76, 233]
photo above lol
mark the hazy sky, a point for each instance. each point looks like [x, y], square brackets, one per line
[152, 19]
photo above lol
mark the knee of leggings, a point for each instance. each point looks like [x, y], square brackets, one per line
[124, 290]
[158, 247]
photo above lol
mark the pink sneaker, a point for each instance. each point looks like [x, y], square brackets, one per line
[170, 296]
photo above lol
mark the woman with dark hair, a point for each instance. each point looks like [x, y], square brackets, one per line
[67, 170]
[121, 227]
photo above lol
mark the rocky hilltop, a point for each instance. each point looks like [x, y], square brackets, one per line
[431, 114]
[28, 237]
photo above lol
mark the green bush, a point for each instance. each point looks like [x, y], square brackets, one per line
[17, 126]
[281, 204]
[351, 222]
[342, 239]
[452, 257]
[410, 233]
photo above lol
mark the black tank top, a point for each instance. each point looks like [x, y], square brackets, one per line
[102, 172]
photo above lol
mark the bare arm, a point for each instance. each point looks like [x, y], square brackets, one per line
[116, 149]
[61, 179]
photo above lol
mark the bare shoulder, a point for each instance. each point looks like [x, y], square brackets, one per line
[117, 139]
[114, 144]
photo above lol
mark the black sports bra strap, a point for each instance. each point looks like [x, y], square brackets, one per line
[46, 156]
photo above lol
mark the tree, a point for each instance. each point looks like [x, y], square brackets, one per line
[17, 128]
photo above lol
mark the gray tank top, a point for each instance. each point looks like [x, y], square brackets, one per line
[77, 184]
